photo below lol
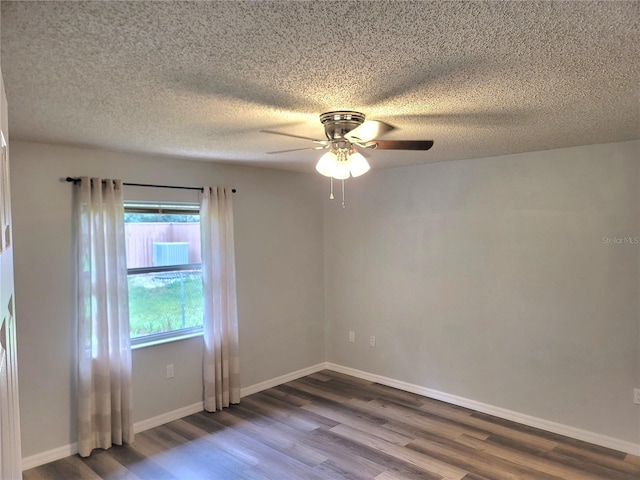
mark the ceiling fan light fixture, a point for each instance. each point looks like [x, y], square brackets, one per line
[358, 165]
[326, 164]
[338, 164]
[340, 170]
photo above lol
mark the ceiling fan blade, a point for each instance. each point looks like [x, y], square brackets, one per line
[369, 130]
[403, 144]
[292, 135]
[322, 147]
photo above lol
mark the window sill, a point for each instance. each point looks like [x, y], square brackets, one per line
[160, 341]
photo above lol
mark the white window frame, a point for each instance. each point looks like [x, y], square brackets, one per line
[164, 208]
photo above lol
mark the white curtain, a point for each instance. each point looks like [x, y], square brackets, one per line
[104, 351]
[221, 365]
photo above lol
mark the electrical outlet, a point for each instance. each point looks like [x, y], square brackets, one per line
[352, 337]
[372, 341]
[636, 396]
[170, 372]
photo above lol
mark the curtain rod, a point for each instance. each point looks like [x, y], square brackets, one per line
[76, 180]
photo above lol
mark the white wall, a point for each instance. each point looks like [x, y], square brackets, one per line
[279, 248]
[489, 279]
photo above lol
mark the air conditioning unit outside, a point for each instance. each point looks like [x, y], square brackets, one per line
[170, 253]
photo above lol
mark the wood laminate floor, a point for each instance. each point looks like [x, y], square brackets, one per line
[333, 426]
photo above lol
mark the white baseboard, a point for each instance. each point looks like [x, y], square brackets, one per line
[585, 435]
[49, 456]
[561, 429]
[71, 449]
[158, 420]
[274, 382]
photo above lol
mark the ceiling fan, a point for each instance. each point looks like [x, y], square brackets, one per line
[347, 132]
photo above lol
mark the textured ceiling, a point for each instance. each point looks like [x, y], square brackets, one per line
[200, 79]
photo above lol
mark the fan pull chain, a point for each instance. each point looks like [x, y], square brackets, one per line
[343, 204]
[331, 197]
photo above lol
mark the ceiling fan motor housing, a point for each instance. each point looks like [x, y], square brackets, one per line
[338, 123]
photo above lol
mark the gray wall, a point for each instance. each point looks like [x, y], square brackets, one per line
[279, 248]
[490, 279]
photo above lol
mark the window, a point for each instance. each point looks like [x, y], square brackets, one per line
[164, 271]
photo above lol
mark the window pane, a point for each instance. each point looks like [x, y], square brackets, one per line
[164, 301]
[168, 297]
[154, 239]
